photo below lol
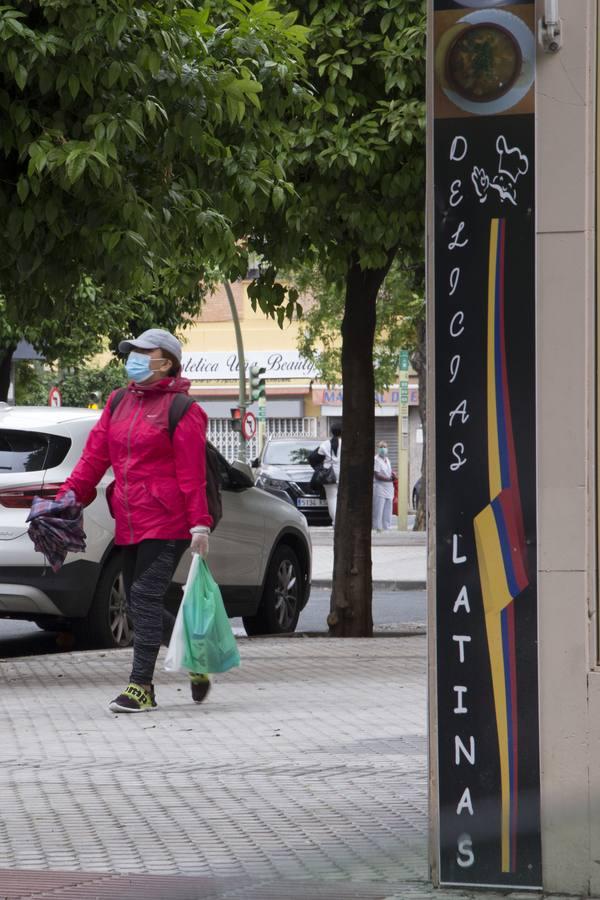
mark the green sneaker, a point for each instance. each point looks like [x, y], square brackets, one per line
[134, 699]
[200, 685]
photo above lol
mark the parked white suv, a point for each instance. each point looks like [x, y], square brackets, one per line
[260, 554]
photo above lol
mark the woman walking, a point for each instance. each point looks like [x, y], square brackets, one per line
[332, 451]
[383, 490]
[158, 497]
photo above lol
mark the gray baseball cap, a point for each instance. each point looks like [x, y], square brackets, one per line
[153, 339]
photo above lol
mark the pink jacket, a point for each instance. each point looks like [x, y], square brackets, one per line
[160, 483]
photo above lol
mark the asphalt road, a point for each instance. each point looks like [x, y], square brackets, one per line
[389, 608]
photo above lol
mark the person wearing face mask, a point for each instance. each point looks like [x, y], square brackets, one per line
[158, 498]
[383, 490]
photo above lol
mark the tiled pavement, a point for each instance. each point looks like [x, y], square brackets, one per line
[303, 777]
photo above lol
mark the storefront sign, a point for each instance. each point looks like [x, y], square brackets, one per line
[487, 667]
[279, 364]
[335, 396]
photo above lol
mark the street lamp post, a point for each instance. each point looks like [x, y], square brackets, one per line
[242, 365]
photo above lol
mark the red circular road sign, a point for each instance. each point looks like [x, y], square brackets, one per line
[54, 397]
[249, 426]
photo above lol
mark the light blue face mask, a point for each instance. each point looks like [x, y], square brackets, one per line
[383, 451]
[138, 367]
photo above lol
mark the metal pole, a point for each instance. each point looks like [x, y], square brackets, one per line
[262, 422]
[242, 365]
[403, 442]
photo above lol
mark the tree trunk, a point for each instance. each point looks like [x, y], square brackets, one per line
[6, 356]
[419, 362]
[351, 599]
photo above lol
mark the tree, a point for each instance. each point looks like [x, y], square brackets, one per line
[400, 323]
[358, 167]
[90, 323]
[399, 310]
[138, 141]
[76, 387]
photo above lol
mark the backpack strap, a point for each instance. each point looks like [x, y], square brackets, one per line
[178, 408]
[118, 396]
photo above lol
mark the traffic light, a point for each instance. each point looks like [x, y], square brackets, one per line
[257, 382]
[236, 418]
[95, 400]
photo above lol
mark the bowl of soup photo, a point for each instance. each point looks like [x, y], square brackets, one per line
[482, 62]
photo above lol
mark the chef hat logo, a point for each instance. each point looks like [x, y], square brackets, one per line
[512, 163]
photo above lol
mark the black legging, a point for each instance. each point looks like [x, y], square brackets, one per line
[148, 569]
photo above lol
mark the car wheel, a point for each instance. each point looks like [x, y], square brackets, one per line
[107, 623]
[282, 596]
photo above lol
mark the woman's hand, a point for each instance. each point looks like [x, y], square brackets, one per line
[199, 543]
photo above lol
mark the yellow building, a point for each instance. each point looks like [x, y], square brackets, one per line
[297, 403]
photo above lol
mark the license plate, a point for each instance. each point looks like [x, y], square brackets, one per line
[310, 501]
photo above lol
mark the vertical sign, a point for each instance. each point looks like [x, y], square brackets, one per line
[488, 733]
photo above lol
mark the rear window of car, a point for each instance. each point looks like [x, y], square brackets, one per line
[289, 453]
[31, 451]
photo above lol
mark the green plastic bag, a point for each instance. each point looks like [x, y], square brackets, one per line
[202, 639]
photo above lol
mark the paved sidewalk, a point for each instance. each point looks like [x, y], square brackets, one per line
[303, 777]
[399, 559]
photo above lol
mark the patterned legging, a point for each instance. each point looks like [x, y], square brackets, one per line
[148, 569]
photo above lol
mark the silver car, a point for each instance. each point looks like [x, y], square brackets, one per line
[260, 554]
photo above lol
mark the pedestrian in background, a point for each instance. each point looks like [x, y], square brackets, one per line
[332, 451]
[383, 490]
[158, 498]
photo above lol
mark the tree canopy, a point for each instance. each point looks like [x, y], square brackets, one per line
[357, 157]
[136, 137]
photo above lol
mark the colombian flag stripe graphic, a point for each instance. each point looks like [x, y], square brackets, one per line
[500, 542]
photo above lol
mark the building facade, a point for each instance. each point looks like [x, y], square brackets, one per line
[297, 403]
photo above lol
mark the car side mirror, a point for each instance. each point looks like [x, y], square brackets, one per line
[241, 474]
[255, 463]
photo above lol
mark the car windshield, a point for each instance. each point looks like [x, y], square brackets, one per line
[25, 451]
[289, 453]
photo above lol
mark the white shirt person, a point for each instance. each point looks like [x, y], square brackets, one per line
[332, 451]
[383, 490]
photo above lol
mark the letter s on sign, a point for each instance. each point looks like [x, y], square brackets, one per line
[458, 451]
[465, 856]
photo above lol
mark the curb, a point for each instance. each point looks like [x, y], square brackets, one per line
[408, 629]
[379, 585]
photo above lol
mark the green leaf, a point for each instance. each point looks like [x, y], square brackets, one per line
[75, 166]
[386, 21]
[114, 73]
[51, 211]
[22, 188]
[21, 76]
[154, 63]
[110, 239]
[28, 222]
[73, 86]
